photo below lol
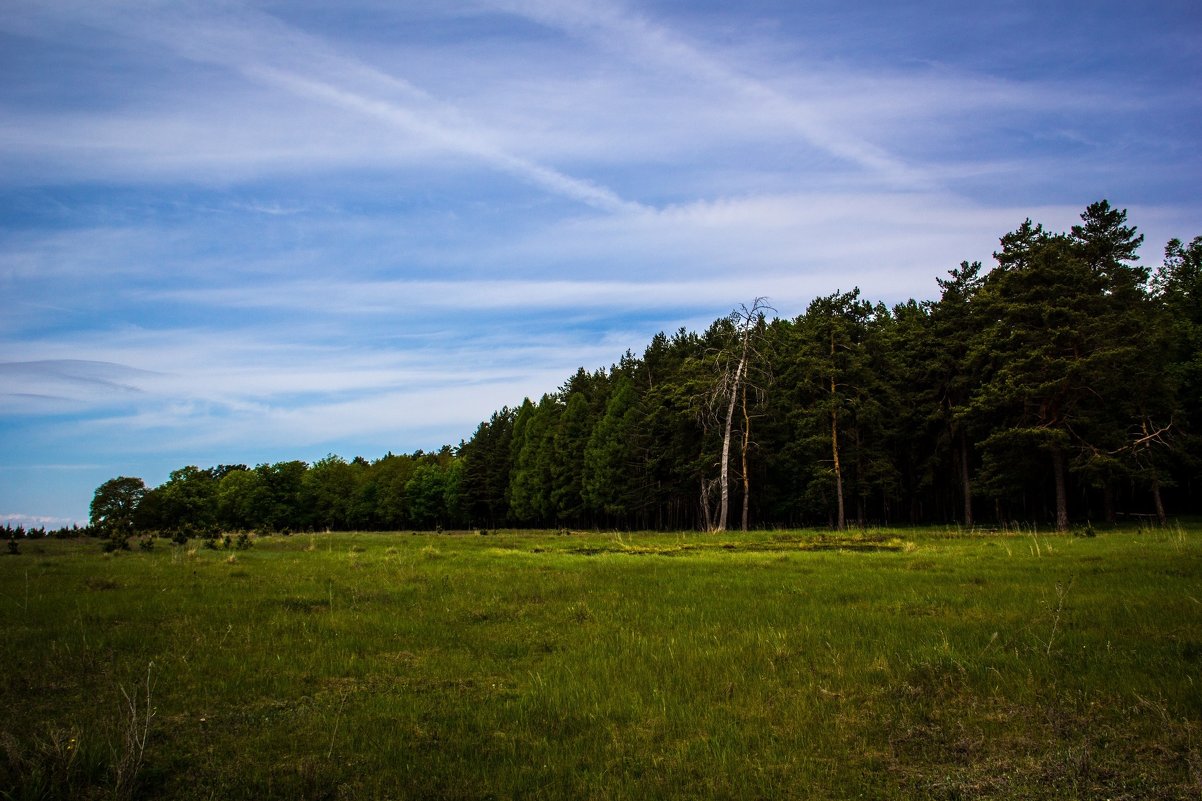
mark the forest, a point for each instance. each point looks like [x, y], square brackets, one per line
[1061, 386]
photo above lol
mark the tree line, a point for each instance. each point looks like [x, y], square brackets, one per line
[1064, 383]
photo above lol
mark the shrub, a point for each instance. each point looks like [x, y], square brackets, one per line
[115, 542]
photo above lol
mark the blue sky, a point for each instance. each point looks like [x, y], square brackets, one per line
[241, 232]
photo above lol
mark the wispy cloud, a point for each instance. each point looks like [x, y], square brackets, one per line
[267, 375]
[64, 382]
[16, 519]
[267, 51]
[463, 141]
[239, 229]
[640, 39]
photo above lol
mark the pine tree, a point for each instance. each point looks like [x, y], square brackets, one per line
[1059, 340]
[950, 378]
[611, 459]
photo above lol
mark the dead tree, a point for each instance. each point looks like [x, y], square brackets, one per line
[747, 324]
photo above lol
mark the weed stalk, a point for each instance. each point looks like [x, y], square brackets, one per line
[135, 734]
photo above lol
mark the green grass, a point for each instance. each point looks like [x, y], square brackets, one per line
[891, 664]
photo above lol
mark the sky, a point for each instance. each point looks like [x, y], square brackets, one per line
[245, 232]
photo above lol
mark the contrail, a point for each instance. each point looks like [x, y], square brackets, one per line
[268, 51]
[450, 138]
[655, 43]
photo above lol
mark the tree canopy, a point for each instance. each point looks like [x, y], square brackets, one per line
[1062, 384]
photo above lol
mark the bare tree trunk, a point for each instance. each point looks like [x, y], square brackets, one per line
[1061, 489]
[965, 481]
[859, 475]
[746, 477]
[726, 434]
[1160, 515]
[707, 508]
[842, 519]
[745, 319]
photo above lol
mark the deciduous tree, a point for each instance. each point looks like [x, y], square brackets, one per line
[114, 505]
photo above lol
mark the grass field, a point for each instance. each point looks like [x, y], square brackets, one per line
[892, 664]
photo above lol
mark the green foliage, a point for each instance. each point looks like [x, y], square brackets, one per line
[1062, 384]
[282, 486]
[1061, 354]
[487, 460]
[570, 445]
[240, 499]
[533, 450]
[1177, 289]
[112, 544]
[609, 481]
[327, 494]
[115, 504]
[426, 494]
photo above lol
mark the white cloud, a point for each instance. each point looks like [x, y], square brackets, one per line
[252, 96]
[319, 236]
[640, 39]
[27, 521]
[464, 141]
[269, 52]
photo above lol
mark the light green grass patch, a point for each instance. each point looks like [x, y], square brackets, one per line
[885, 664]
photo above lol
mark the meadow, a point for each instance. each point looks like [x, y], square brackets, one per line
[893, 664]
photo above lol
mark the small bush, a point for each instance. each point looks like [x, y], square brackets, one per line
[114, 543]
[244, 542]
[14, 547]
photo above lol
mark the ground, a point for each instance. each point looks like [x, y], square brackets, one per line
[928, 663]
